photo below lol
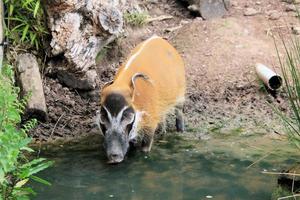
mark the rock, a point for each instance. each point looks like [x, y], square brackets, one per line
[274, 15]
[209, 9]
[31, 84]
[287, 1]
[296, 30]
[193, 8]
[153, 1]
[234, 3]
[250, 12]
[290, 8]
[86, 81]
[291, 1]
[92, 95]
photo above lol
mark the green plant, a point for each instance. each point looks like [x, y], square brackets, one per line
[291, 74]
[15, 168]
[136, 18]
[25, 23]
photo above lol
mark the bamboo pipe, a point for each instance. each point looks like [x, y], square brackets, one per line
[272, 80]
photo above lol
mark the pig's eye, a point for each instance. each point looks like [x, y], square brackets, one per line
[103, 128]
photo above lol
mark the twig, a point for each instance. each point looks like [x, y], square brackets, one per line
[293, 184]
[159, 18]
[173, 28]
[56, 124]
[269, 30]
[260, 159]
[287, 197]
[280, 173]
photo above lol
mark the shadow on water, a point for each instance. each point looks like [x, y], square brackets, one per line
[175, 169]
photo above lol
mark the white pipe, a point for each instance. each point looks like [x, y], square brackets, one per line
[272, 80]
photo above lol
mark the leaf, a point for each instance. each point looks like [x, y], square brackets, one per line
[40, 167]
[2, 177]
[36, 9]
[11, 9]
[21, 183]
[33, 162]
[25, 33]
[40, 180]
[34, 167]
[27, 149]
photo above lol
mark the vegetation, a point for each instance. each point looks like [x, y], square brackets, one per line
[291, 75]
[15, 168]
[281, 192]
[25, 23]
[136, 18]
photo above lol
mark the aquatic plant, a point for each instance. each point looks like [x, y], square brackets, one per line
[290, 69]
[25, 23]
[16, 169]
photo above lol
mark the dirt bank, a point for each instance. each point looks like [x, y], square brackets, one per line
[223, 95]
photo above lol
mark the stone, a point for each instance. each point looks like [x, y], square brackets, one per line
[250, 12]
[296, 30]
[234, 3]
[274, 15]
[291, 1]
[209, 9]
[290, 8]
[30, 81]
[86, 81]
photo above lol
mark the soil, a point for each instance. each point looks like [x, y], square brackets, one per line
[223, 94]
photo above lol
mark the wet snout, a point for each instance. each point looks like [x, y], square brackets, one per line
[115, 153]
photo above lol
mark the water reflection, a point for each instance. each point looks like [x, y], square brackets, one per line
[169, 172]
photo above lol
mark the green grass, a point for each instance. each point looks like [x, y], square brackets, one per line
[25, 23]
[136, 18]
[290, 69]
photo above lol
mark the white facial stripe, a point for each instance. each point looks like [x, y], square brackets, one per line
[132, 58]
[108, 114]
[134, 131]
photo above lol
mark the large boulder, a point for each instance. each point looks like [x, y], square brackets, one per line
[209, 9]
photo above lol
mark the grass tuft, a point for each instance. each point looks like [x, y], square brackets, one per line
[136, 18]
[290, 69]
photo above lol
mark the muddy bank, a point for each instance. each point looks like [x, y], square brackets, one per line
[223, 94]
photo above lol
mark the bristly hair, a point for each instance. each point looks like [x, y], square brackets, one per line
[115, 102]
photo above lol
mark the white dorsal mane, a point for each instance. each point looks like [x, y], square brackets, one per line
[132, 58]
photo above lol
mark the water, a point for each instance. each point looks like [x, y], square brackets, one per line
[175, 169]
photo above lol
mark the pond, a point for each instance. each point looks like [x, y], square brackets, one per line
[176, 168]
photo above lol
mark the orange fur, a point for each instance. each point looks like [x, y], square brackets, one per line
[157, 59]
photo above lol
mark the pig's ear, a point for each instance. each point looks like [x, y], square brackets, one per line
[133, 85]
[107, 84]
